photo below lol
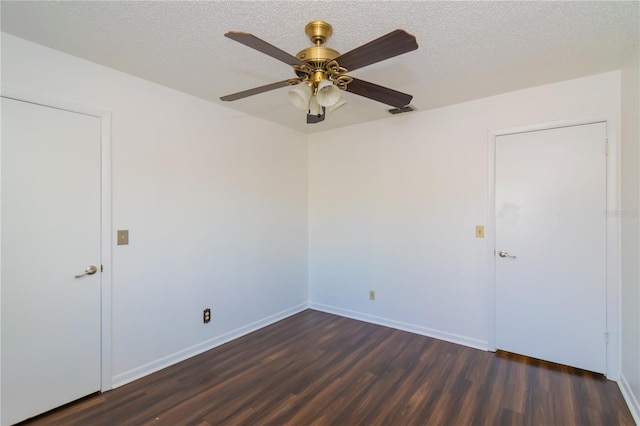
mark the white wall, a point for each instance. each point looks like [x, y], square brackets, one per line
[393, 207]
[630, 230]
[215, 202]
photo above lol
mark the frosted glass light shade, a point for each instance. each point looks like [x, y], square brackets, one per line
[328, 94]
[300, 96]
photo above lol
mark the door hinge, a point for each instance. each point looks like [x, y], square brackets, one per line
[606, 147]
[101, 268]
[606, 338]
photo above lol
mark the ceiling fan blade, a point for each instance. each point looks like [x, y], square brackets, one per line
[379, 93]
[256, 90]
[393, 44]
[264, 47]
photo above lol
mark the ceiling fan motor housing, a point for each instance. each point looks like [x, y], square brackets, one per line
[318, 55]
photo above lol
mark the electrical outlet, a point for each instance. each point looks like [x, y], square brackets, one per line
[372, 295]
[206, 316]
[123, 237]
[479, 231]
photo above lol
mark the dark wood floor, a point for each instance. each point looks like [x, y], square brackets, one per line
[315, 369]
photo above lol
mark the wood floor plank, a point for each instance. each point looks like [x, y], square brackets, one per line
[320, 369]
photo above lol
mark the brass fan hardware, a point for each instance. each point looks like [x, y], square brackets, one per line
[321, 71]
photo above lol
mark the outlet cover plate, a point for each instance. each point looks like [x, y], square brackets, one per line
[123, 237]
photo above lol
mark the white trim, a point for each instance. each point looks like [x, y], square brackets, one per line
[629, 398]
[174, 358]
[105, 211]
[412, 328]
[105, 253]
[613, 230]
[490, 235]
[49, 101]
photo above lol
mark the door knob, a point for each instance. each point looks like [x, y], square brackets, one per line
[89, 270]
[503, 253]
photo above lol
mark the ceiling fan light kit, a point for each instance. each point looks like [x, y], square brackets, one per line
[300, 96]
[328, 94]
[321, 71]
[315, 108]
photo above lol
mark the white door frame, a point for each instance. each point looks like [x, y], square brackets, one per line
[105, 213]
[613, 231]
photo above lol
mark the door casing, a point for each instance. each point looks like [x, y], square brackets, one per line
[613, 231]
[105, 213]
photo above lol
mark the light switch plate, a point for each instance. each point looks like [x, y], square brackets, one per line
[479, 231]
[123, 238]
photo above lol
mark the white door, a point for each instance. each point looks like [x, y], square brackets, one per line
[550, 216]
[50, 233]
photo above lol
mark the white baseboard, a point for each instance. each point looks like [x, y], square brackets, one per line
[412, 328]
[164, 362]
[630, 398]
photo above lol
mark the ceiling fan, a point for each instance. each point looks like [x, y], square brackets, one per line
[322, 71]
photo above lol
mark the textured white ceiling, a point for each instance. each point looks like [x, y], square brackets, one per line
[468, 50]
